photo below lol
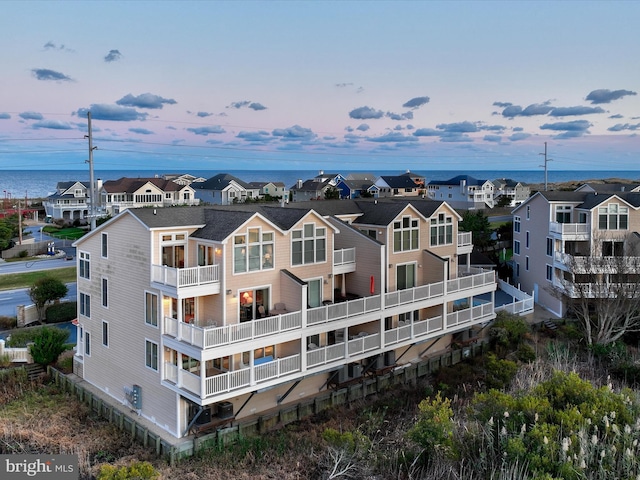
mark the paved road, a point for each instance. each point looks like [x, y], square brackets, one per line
[10, 299]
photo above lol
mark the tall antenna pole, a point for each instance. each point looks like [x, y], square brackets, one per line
[92, 210]
[546, 160]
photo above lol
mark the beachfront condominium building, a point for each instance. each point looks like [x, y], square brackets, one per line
[576, 245]
[227, 311]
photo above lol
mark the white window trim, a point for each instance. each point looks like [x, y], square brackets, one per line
[105, 323]
[146, 342]
[158, 313]
[104, 238]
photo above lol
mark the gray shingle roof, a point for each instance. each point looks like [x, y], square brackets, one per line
[221, 181]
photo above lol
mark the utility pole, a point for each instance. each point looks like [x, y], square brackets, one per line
[546, 160]
[92, 211]
[19, 224]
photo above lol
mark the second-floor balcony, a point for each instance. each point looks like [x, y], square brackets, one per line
[206, 337]
[465, 243]
[191, 281]
[571, 231]
[344, 260]
[583, 264]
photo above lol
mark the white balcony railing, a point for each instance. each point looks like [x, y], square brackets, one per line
[185, 277]
[344, 256]
[465, 239]
[229, 381]
[338, 311]
[582, 229]
[210, 337]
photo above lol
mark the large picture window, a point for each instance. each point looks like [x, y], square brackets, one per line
[308, 245]
[613, 217]
[253, 251]
[406, 234]
[441, 230]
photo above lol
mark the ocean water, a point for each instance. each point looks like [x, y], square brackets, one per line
[41, 183]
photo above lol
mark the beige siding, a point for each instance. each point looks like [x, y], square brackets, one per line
[122, 363]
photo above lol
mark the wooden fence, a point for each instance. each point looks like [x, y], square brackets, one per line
[126, 421]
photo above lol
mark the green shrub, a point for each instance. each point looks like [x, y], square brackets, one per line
[5, 360]
[526, 353]
[20, 338]
[134, 471]
[7, 323]
[508, 330]
[47, 345]
[61, 312]
[433, 430]
[499, 373]
[23, 254]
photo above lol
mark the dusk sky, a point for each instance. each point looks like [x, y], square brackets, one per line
[367, 85]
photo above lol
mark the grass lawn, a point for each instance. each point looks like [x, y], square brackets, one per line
[71, 233]
[25, 280]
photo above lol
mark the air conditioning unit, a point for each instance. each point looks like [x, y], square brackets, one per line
[225, 409]
[355, 370]
[204, 417]
[390, 358]
[339, 376]
[377, 362]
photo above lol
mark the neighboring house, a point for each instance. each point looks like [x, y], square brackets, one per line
[609, 187]
[124, 193]
[354, 188]
[556, 234]
[275, 190]
[515, 191]
[463, 192]
[69, 202]
[225, 189]
[397, 186]
[183, 178]
[230, 311]
[313, 189]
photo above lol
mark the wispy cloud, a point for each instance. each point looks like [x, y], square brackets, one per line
[247, 103]
[400, 116]
[52, 46]
[492, 138]
[145, 100]
[569, 111]
[393, 137]
[204, 114]
[427, 132]
[208, 130]
[363, 127]
[607, 96]
[113, 113]
[575, 128]
[52, 124]
[534, 109]
[141, 131]
[460, 127]
[342, 85]
[416, 102]
[30, 116]
[295, 132]
[502, 104]
[50, 75]
[4, 116]
[617, 115]
[365, 113]
[626, 126]
[516, 137]
[260, 136]
[112, 56]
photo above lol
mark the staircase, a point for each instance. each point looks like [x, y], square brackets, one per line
[34, 370]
